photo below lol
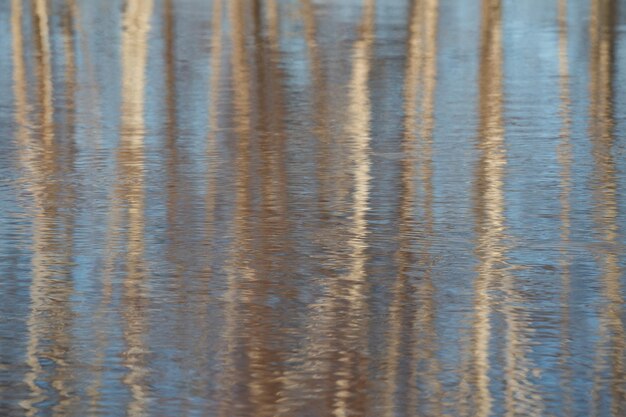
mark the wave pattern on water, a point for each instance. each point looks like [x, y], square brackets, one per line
[312, 208]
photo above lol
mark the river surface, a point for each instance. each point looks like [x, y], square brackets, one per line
[309, 208]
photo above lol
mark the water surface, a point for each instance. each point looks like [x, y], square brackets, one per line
[298, 208]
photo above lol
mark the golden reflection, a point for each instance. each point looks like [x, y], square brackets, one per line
[489, 199]
[44, 165]
[23, 139]
[129, 196]
[612, 334]
[19, 75]
[334, 368]
[564, 154]
[416, 199]
[351, 361]
[493, 270]
[44, 69]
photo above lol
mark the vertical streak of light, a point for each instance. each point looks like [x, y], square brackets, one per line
[50, 287]
[45, 68]
[493, 270]
[358, 130]
[420, 77]
[490, 205]
[136, 24]
[48, 301]
[24, 145]
[19, 74]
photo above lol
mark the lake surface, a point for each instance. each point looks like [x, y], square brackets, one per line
[309, 208]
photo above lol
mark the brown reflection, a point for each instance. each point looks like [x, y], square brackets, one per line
[564, 154]
[489, 196]
[128, 199]
[267, 360]
[234, 400]
[332, 179]
[491, 248]
[312, 375]
[44, 67]
[612, 335]
[412, 330]
[214, 96]
[45, 164]
[350, 311]
[23, 139]
[261, 220]
[333, 372]
[179, 203]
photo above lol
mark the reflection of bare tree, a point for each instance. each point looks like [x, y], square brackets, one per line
[565, 160]
[214, 95]
[493, 272]
[44, 67]
[489, 199]
[234, 398]
[335, 363]
[260, 229]
[412, 331]
[201, 317]
[350, 294]
[332, 179]
[344, 309]
[303, 378]
[23, 138]
[612, 334]
[129, 197]
[44, 162]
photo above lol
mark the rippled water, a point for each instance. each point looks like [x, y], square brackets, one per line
[312, 208]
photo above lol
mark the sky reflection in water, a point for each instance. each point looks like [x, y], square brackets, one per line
[312, 208]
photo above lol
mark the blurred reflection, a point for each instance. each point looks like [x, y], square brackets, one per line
[43, 159]
[44, 69]
[272, 208]
[493, 271]
[609, 369]
[350, 372]
[489, 197]
[565, 157]
[234, 398]
[215, 65]
[412, 331]
[129, 198]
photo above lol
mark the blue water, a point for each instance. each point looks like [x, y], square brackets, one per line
[298, 208]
